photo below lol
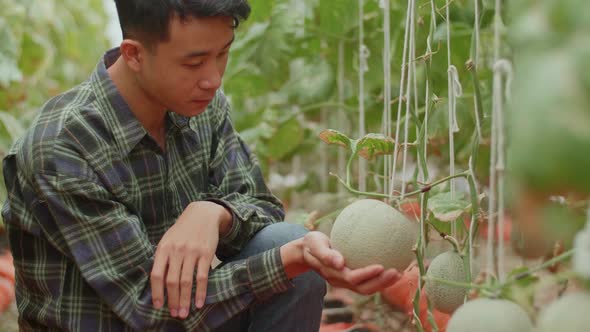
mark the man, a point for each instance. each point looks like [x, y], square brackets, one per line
[125, 187]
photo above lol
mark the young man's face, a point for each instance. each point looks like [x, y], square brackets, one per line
[183, 73]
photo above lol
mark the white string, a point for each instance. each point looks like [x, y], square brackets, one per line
[427, 101]
[385, 5]
[477, 56]
[452, 116]
[341, 117]
[415, 81]
[411, 76]
[448, 18]
[401, 97]
[456, 90]
[363, 67]
[502, 67]
[496, 108]
[505, 67]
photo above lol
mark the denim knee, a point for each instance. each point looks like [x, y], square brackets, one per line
[276, 235]
[310, 285]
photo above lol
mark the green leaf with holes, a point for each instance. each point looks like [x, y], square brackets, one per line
[447, 208]
[373, 145]
[334, 137]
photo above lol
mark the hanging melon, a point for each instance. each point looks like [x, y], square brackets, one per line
[447, 266]
[569, 313]
[489, 315]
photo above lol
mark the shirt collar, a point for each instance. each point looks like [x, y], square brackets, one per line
[125, 126]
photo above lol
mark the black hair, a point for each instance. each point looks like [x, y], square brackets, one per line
[148, 20]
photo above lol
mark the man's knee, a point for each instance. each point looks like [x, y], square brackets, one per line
[310, 285]
[276, 235]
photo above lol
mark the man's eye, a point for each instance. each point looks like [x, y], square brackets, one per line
[193, 65]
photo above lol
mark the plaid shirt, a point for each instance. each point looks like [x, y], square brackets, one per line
[91, 194]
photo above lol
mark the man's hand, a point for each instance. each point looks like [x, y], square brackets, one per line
[188, 245]
[314, 252]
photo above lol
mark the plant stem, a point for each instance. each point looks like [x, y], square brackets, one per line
[546, 264]
[354, 191]
[453, 241]
[436, 183]
[424, 189]
[348, 170]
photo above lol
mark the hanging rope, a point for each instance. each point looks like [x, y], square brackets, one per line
[363, 68]
[502, 68]
[411, 78]
[476, 56]
[385, 5]
[453, 126]
[455, 91]
[496, 127]
[428, 83]
[401, 99]
[341, 117]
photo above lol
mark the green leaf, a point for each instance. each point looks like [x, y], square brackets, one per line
[9, 71]
[338, 17]
[373, 145]
[12, 126]
[331, 136]
[442, 227]
[310, 82]
[445, 208]
[285, 140]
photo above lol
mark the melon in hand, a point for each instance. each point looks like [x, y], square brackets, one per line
[370, 232]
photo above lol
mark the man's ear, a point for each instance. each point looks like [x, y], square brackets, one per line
[133, 53]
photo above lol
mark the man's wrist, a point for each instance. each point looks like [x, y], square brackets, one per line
[223, 217]
[226, 220]
[292, 258]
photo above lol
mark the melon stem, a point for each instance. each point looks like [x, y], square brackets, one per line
[454, 242]
[422, 190]
[562, 257]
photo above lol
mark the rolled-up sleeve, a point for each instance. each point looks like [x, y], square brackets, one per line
[236, 182]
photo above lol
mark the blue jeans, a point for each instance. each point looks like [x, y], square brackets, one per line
[297, 310]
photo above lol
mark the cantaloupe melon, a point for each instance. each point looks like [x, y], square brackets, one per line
[569, 313]
[448, 266]
[488, 315]
[371, 232]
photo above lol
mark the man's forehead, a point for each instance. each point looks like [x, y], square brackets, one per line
[199, 53]
[198, 36]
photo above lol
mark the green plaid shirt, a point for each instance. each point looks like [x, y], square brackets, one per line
[91, 194]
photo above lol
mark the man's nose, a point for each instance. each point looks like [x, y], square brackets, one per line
[212, 79]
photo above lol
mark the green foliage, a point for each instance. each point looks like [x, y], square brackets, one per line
[286, 60]
[46, 46]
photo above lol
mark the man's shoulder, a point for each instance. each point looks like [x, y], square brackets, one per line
[64, 125]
